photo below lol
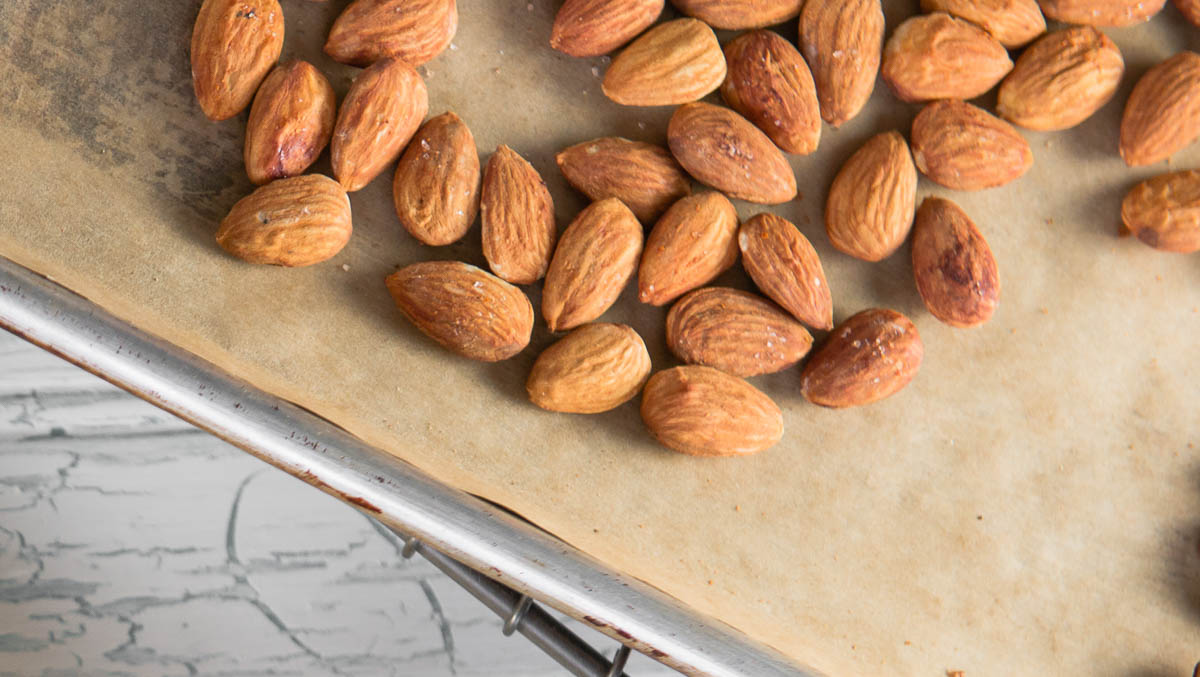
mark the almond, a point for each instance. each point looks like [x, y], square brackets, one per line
[769, 83]
[587, 28]
[964, 147]
[673, 63]
[740, 14]
[595, 257]
[1164, 212]
[1101, 12]
[735, 331]
[705, 412]
[518, 218]
[691, 244]
[784, 265]
[870, 356]
[469, 311]
[1013, 22]
[843, 43]
[954, 268]
[1190, 9]
[436, 187]
[290, 123]
[936, 56]
[414, 31]
[871, 203]
[642, 175]
[1061, 80]
[234, 45]
[379, 115]
[1162, 114]
[595, 368]
[721, 148]
[290, 222]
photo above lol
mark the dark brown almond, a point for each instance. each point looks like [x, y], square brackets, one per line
[1190, 9]
[1164, 212]
[784, 265]
[1013, 22]
[518, 218]
[290, 222]
[705, 412]
[1162, 114]
[769, 83]
[964, 147]
[290, 123]
[693, 243]
[413, 31]
[935, 56]
[586, 28]
[953, 265]
[1101, 12]
[379, 115]
[870, 356]
[870, 207]
[595, 368]
[642, 175]
[436, 187]
[234, 45]
[843, 43]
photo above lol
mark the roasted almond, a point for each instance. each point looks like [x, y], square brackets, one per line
[673, 63]
[642, 175]
[1101, 12]
[784, 265]
[595, 257]
[518, 218]
[436, 187]
[870, 356]
[954, 268]
[1162, 114]
[769, 83]
[469, 311]
[594, 27]
[413, 31]
[735, 331]
[693, 243]
[843, 43]
[871, 203]
[290, 123]
[290, 222]
[1061, 80]
[964, 147]
[595, 368]
[379, 115]
[1012, 22]
[936, 56]
[234, 45]
[1164, 212]
[740, 14]
[721, 148]
[705, 412]
[1190, 9]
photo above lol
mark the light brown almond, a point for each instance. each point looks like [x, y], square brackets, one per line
[673, 63]
[290, 123]
[936, 56]
[586, 28]
[784, 265]
[1164, 211]
[595, 368]
[843, 43]
[954, 268]
[705, 412]
[693, 243]
[642, 175]
[1013, 22]
[518, 218]
[769, 83]
[1162, 114]
[379, 115]
[414, 31]
[1190, 9]
[721, 148]
[964, 147]
[870, 356]
[1101, 12]
[595, 258]
[740, 14]
[871, 203]
[290, 222]
[436, 187]
[234, 45]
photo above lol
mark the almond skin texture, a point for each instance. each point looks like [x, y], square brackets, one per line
[413, 31]
[693, 243]
[954, 268]
[871, 203]
[382, 110]
[936, 56]
[1162, 114]
[290, 222]
[964, 147]
[705, 412]
[1061, 80]
[842, 40]
[290, 123]
[1013, 22]
[784, 265]
[673, 63]
[436, 187]
[1164, 212]
[586, 28]
[740, 14]
[769, 83]
[737, 332]
[870, 356]
[642, 175]
[469, 311]
[234, 45]
[722, 149]
[1190, 9]
[595, 368]
[1101, 12]
[518, 218]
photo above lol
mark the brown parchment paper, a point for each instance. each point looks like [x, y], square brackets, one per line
[1029, 505]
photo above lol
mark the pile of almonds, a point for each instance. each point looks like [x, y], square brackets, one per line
[777, 97]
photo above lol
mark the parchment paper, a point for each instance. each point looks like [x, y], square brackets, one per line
[1029, 505]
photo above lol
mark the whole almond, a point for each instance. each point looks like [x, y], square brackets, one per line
[954, 268]
[290, 222]
[642, 175]
[588, 28]
[595, 257]
[290, 123]
[414, 31]
[1190, 9]
[769, 83]
[673, 63]
[1162, 114]
[1013, 22]
[871, 203]
[379, 115]
[469, 311]
[964, 147]
[234, 45]
[595, 368]
[740, 14]
[843, 43]
[936, 56]
[1061, 80]
[1101, 12]
[870, 356]
[1164, 212]
[721, 148]
[518, 218]
[705, 412]
[735, 331]
[436, 187]
[693, 243]
[784, 265]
